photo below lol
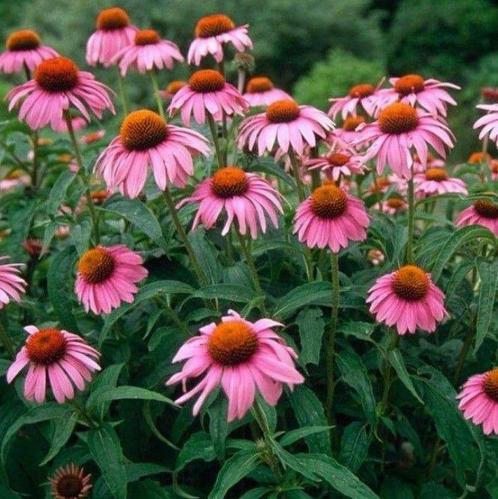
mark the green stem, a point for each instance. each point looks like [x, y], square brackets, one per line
[84, 176]
[411, 219]
[7, 343]
[157, 95]
[122, 93]
[330, 338]
[34, 171]
[214, 132]
[183, 236]
[388, 371]
[297, 177]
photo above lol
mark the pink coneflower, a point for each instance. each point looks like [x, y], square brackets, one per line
[92, 137]
[337, 163]
[57, 357]
[33, 246]
[392, 205]
[483, 212]
[57, 86]
[360, 97]
[412, 89]
[107, 277]
[489, 94]
[12, 286]
[349, 130]
[148, 52]
[113, 34]
[24, 50]
[77, 123]
[171, 89]
[488, 122]
[246, 197]
[400, 130]
[207, 92]
[212, 33]
[330, 217]
[436, 181]
[70, 482]
[13, 180]
[493, 166]
[479, 400]
[145, 139]
[285, 125]
[375, 257]
[260, 91]
[407, 299]
[479, 157]
[242, 357]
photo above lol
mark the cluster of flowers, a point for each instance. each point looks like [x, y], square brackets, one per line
[395, 126]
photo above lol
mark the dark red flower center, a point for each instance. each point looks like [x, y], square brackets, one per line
[69, 486]
[328, 201]
[362, 90]
[259, 84]
[478, 157]
[282, 111]
[411, 283]
[206, 80]
[338, 159]
[174, 86]
[24, 39]
[436, 174]
[96, 265]
[232, 343]
[395, 203]
[46, 346]
[409, 84]
[142, 130]
[113, 18]
[147, 37]
[398, 118]
[230, 181]
[486, 208]
[98, 197]
[213, 25]
[351, 123]
[58, 74]
[490, 385]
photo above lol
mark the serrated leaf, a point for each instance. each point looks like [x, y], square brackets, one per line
[311, 327]
[488, 273]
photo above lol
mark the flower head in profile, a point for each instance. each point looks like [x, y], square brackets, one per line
[58, 86]
[12, 285]
[171, 89]
[330, 218]
[70, 482]
[107, 277]
[493, 166]
[146, 140]
[478, 400]
[240, 356]
[285, 125]
[435, 181]
[361, 97]
[429, 94]
[399, 131]
[245, 197]
[13, 180]
[24, 50]
[392, 205]
[337, 163]
[488, 122]
[207, 92]
[148, 52]
[57, 358]
[212, 33]
[482, 212]
[260, 91]
[349, 130]
[77, 123]
[407, 299]
[92, 137]
[113, 33]
[478, 158]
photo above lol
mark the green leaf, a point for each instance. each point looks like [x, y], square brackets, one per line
[59, 276]
[288, 460]
[256, 493]
[267, 165]
[300, 296]
[218, 425]
[488, 272]
[136, 471]
[107, 378]
[294, 435]
[106, 451]
[354, 445]
[58, 191]
[207, 254]
[396, 360]
[138, 214]
[233, 471]
[309, 412]
[106, 394]
[62, 430]
[225, 291]
[80, 236]
[150, 489]
[198, 446]
[311, 327]
[337, 476]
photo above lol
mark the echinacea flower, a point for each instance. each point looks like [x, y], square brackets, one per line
[260, 91]
[77, 123]
[240, 356]
[436, 181]
[483, 212]
[147, 52]
[392, 205]
[92, 137]
[171, 89]
[114, 32]
[401, 129]
[212, 33]
[412, 89]
[349, 130]
[478, 157]
[145, 139]
[286, 125]
[478, 400]
[12, 286]
[330, 217]
[24, 51]
[363, 96]
[338, 163]
[489, 94]
[375, 257]
[70, 482]
[14, 179]
[207, 93]
[488, 122]
[107, 277]
[57, 86]
[493, 166]
[407, 299]
[245, 197]
[57, 358]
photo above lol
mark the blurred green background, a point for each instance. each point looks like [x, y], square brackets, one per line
[315, 48]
